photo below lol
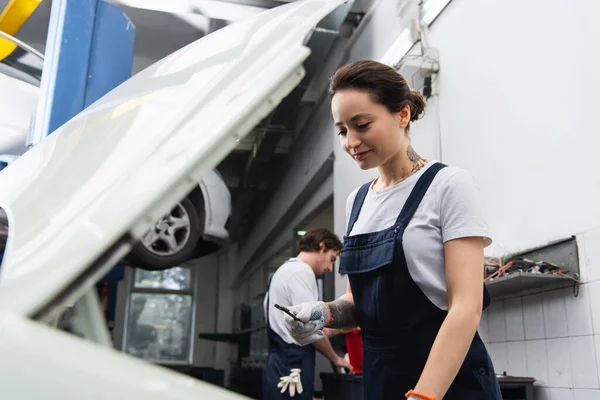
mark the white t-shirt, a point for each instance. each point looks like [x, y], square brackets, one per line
[293, 283]
[449, 210]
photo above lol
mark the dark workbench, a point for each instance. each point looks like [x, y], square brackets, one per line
[517, 388]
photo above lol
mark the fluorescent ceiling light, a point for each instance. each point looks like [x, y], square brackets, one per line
[407, 38]
[301, 233]
[433, 8]
[200, 22]
[399, 48]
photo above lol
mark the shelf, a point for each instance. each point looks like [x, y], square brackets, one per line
[224, 337]
[517, 282]
[251, 330]
[231, 337]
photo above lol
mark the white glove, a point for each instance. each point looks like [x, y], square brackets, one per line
[292, 382]
[313, 315]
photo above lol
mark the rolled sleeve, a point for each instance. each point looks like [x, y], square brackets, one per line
[461, 210]
[303, 287]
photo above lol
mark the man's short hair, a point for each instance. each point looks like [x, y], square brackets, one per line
[312, 239]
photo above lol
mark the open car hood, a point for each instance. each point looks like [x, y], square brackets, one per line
[79, 200]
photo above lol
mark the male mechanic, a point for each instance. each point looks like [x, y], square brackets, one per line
[289, 369]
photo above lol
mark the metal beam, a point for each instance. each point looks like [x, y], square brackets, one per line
[198, 21]
[256, 167]
[283, 119]
[309, 187]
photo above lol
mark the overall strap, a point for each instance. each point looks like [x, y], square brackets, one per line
[417, 194]
[357, 205]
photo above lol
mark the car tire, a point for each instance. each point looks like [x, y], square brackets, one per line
[171, 241]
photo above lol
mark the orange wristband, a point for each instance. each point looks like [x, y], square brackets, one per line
[419, 395]
[330, 320]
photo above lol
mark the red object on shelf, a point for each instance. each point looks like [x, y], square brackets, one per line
[355, 350]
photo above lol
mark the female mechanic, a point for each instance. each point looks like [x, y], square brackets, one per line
[413, 253]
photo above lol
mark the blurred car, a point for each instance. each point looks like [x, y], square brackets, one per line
[193, 228]
[77, 202]
[20, 74]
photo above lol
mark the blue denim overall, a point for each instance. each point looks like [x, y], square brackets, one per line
[281, 359]
[399, 323]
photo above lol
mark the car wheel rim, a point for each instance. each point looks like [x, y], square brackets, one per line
[170, 235]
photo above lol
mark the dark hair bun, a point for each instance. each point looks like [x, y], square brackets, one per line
[384, 84]
[417, 105]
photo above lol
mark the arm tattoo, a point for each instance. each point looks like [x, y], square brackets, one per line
[418, 161]
[343, 313]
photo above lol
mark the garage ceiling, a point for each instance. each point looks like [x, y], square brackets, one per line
[253, 170]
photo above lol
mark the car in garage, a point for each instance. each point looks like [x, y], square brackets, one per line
[20, 73]
[193, 228]
[79, 201]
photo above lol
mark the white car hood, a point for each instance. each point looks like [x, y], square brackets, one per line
[18, 101]
[78, 200]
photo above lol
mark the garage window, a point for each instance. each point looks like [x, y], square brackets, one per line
[160, 315]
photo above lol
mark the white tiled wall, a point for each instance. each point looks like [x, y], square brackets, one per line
[552, 335]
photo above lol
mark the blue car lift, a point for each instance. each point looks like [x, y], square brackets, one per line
[89, 51]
